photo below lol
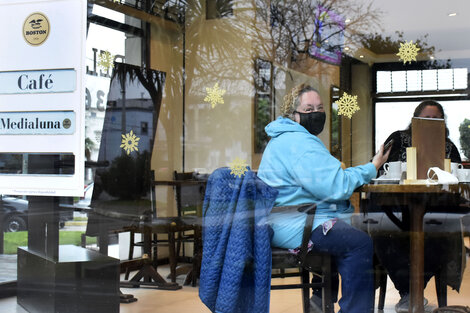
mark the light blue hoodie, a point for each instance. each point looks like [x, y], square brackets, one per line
[300, 167]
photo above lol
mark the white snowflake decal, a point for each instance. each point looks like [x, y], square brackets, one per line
[238, 167]
[130, 142]
[408, 51]
[347, 105]
[214, 95]
[106, 60]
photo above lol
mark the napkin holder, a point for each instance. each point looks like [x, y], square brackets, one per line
[412, 169]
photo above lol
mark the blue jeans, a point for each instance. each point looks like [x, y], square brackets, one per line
[352, 250]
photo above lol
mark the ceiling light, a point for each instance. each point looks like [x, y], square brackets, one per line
[347, 20]
[361, 56]
[346, 48]
[431, 57]
[452, 14]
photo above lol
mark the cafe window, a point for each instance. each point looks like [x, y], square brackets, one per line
[422, 80]
[457, 113]
[177, 89]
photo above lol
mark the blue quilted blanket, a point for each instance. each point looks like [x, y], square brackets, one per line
[236, 262]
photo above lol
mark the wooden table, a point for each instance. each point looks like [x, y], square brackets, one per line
[416, 198]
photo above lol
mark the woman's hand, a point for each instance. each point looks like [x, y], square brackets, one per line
[380, 158]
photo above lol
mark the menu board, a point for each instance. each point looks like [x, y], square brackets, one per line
[428, 135]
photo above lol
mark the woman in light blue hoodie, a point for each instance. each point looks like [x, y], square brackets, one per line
[298, 165]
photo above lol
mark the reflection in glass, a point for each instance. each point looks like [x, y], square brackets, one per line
[37, 163]
[128, 134]
[335, 133]
[263, 102]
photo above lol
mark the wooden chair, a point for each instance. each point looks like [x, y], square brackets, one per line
[189, 199]
[315, 263]
[168, 226]
[189, 195]
[235, 209]
[185, 227]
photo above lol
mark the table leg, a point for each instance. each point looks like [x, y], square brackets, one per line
[147, 248]
[172, 255]
[417, 257]
[147, 272]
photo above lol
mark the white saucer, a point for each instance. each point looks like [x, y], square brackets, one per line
[385, 180]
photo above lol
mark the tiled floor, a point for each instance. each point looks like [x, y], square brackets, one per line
[282, 301]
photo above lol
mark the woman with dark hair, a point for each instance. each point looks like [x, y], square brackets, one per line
[402, 138]
[392, 245]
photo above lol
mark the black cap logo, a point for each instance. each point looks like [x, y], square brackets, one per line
[66, 123]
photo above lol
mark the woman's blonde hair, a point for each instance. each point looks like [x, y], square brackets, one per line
[292, 99]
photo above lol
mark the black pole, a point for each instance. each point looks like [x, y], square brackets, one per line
[43, 212]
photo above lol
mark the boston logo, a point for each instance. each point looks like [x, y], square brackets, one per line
[36, 29]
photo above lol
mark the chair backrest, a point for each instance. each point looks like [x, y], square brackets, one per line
[183, 175]
[236, 258]
[189, 197]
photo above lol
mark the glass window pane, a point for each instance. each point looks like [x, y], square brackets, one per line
[195, 86]
[384, 82]
[429, 80]
[111, 14]
[398, 81]
[96, 45]
[444, 79]
[460, 78]
[413, 80]
[392, 116]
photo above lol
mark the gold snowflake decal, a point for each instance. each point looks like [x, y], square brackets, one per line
[130, 142]
[408, 51]
[347, 105]
[238, 167]
[106, 60]
[214, 95]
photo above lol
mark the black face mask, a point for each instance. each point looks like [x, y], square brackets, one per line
[313, 121]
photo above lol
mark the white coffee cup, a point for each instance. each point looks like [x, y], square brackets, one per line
[393, 169]
[463, 174]
[454, 167]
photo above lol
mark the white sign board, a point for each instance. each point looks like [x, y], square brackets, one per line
[37, 123]
[38, 81]
[42, 91]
